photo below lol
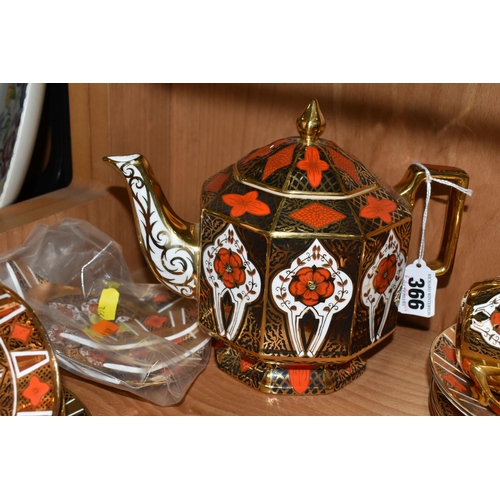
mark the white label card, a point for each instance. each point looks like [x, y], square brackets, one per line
[418, 292]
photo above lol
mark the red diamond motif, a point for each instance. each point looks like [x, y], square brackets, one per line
[317, 215]
[279, 160]
[344, 164]
[262, 151]
[216, 182]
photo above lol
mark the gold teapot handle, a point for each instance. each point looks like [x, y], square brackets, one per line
[407, 188]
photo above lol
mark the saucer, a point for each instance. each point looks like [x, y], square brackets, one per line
[440, 405]
[449, 377]
[29, 374]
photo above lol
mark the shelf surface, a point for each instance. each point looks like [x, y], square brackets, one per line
[396, 383]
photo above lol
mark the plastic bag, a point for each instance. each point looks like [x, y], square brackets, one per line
[72, 252]
[103, 327]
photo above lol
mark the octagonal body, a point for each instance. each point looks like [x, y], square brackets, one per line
[303, 252]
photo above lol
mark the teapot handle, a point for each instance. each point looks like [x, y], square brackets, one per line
[407, 189]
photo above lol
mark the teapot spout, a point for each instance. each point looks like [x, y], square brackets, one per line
[170, 244]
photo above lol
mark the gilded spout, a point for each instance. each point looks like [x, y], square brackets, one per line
[170, 244]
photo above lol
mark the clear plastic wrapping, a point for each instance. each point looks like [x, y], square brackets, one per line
[103, 326]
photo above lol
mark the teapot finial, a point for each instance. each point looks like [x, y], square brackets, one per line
[311, 123]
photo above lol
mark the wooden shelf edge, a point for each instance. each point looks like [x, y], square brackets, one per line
[36, 209]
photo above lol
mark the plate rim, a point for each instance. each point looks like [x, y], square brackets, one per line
[437, 378]
[25, 142]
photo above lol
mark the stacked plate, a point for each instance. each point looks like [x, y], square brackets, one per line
[29, 375]
[451, 390]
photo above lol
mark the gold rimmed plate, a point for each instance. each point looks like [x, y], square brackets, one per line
[440, 405]
[449, 377]
[29, 375]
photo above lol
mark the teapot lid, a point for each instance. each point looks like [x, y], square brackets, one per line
[306, 166]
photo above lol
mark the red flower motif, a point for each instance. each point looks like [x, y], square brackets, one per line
[229, 268]
[313, 166]
[378, 208]
[385, 274]
[245, 203]
[495, 320]
[155, 321]
[312, 285]
[36, 390]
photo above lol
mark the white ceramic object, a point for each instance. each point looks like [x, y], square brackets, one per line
[20, 110]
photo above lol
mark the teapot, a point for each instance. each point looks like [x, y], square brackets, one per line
[298, 258]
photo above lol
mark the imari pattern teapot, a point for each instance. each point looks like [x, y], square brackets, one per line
[297, 261]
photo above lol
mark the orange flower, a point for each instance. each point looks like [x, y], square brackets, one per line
[36, 390]
[385, 274]
[311, 285]
[378, 208]
[246, 203]
[313, 166]
[495, 320]
[229, 268]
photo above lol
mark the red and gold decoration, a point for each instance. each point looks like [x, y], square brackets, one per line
[298, 258]
[29, 375]
[465, 358]
[453, 392]
[478, 341]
